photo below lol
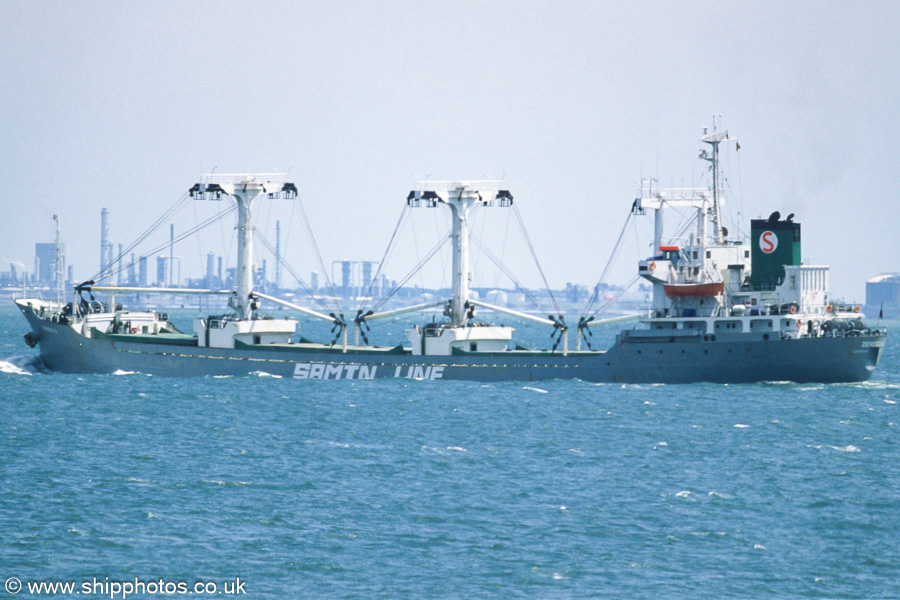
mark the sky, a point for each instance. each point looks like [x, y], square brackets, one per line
[124, 104]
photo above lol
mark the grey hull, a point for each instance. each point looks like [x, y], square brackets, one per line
[738, 358]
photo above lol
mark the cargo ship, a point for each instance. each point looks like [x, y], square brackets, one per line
[713, 318]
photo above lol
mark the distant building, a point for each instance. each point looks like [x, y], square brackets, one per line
[142, 271]
[883, 294]
[210, 270]
[16, 276]
[575, 293]
[45, 263]
[162, 273]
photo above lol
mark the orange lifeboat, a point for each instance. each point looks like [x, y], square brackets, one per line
[694, 290]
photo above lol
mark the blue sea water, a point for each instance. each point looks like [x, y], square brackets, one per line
[405, 489]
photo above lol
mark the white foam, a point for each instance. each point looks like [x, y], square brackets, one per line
[16, 365]
[742, 426]
[849, 448]
[457, 449]
[264, 374]
[123, 372]
[877, 385]
[758, 547]
[683, 494]
[534, 389]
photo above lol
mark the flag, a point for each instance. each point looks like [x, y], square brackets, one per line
[881, 311]
[737, 145]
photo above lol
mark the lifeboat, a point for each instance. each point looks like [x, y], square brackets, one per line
[694, 290]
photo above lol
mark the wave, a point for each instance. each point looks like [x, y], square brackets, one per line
[849, 448]
[873, 385]
[264, 374]
[443, 450]
[124, 372]
[23, 364]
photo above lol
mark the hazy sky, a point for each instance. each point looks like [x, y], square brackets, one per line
[124, 104]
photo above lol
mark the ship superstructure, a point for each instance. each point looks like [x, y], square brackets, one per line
[710, 283]
[710, 287]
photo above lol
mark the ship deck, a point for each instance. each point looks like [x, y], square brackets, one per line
[307, 347]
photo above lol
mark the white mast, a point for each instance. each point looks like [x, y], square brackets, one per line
[461, 201]
[714, 139]
[462, 197]
[244, 273]
[244, 189]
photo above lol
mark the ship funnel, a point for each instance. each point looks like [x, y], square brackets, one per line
[774, 244]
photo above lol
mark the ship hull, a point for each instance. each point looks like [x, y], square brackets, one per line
[738, 358]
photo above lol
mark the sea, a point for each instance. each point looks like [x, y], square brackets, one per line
[133, 486]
